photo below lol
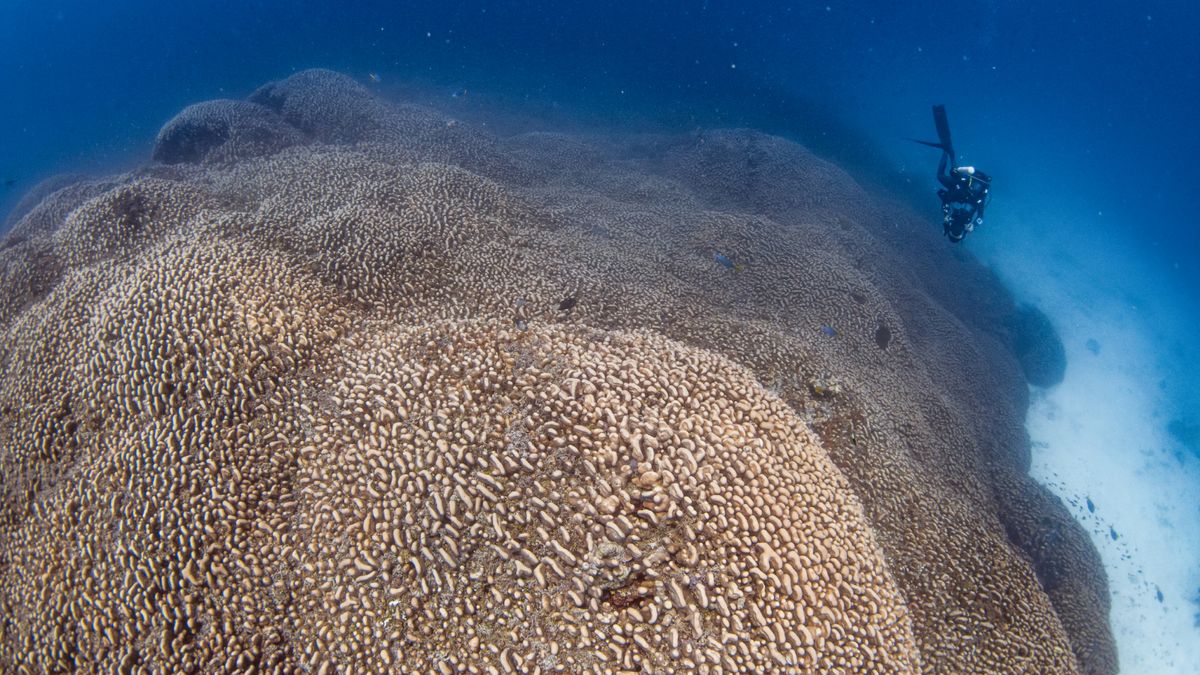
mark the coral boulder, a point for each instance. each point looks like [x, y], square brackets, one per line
[339, 385]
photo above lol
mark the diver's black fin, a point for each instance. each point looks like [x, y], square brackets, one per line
[931, 144]
[943, 128]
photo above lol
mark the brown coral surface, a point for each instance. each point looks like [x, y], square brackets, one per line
[343, 385]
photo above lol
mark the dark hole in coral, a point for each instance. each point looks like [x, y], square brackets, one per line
[859, 297]
[627, 594]
[131, 209]
[883, 336]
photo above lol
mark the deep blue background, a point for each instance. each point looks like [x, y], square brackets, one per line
[1085, 106]
[1085, 112]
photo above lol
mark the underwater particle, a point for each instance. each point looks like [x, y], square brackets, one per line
[1091, 506]
[883, 336]
[1093, 346]
[828, 330]
[567, 304]
[1112, 532]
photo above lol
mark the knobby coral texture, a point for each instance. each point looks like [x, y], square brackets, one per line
[344, 384]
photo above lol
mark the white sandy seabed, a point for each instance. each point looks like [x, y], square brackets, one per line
[1102, 434]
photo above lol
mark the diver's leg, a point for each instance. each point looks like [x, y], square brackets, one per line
[943, 129]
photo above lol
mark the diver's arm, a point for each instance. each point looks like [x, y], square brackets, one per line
[983, 196]
[982, 202]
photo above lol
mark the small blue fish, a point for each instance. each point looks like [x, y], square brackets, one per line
[1158, 594]
[1112, 532]
[1091, 506]
[828, 330]
[728, 263]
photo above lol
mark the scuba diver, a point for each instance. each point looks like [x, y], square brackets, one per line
[965, 190]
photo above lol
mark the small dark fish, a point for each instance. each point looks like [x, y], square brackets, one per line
[723, 260]
[828, 330]
[1112, 532]
[567, 304]
[1091, 506]
[9, 182]
[1158, 594]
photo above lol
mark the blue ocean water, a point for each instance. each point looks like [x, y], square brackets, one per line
[1084, 113]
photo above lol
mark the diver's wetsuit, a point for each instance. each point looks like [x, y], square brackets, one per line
[965, 190]
[963, 198]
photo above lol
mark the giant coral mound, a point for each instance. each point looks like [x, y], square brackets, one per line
[345, 385]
